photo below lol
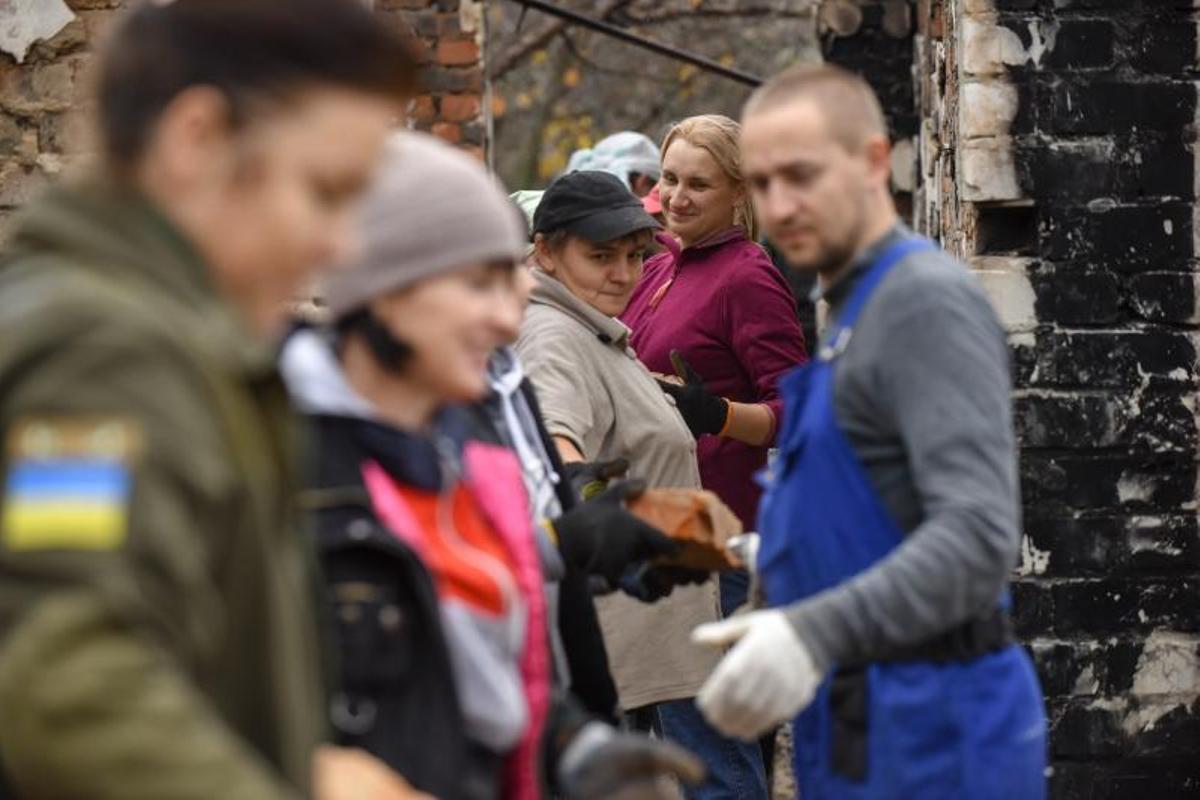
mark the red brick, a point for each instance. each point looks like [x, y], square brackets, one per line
[460, 107]
[422, 109]
[449, 131]
[422, 50]
[461, 52]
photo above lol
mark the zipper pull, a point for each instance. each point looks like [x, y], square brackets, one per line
[448, 459]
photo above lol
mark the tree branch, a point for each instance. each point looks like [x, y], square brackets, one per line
[670, 15]
[539, 39]
[573, 48]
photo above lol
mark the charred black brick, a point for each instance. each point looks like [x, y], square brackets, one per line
[1096, 545]
[1138, 422]
[1024, 362]
[1087, 668]
[1160, 421]
[1061, 484]
[1032, 608]
[1066, 171]
[1110, 106]
[1113, 607]
[1165, 47]
[1072, 297]
[1069, 421]
[1085, 727]
[1095, 360]
[1163, 544]
[1126, 237]
[1090, 5]
[1081, 44]
[1077, 545]
[1122, 167]
[1175, 732]
[1124, 779]
[1163, 296]
[1155, 165]
[1079, 728]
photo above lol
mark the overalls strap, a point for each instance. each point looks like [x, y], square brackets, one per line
[839, 332]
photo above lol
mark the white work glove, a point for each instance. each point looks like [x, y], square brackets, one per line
[767, 678]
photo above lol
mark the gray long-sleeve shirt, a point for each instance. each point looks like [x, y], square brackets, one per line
[923, 394]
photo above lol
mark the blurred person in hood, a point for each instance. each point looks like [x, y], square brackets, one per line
[631, 156]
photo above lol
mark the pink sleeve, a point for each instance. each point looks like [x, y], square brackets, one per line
[764, 332]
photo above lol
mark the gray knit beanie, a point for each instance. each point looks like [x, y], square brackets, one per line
[431, 210]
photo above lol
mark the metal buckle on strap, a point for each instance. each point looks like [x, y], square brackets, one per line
[838, 346]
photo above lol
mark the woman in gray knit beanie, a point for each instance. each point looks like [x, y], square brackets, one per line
[435, 572]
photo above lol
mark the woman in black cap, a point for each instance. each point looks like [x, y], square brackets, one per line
[600, 403]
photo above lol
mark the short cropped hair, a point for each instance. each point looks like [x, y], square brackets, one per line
[249, 50]
[848, 102]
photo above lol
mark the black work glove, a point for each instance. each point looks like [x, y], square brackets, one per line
[652, 582]
[601, 537]
[703, 411]
[602, 763]
[590, 478]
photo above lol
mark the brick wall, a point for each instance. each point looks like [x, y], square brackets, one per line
[43, 126]
[1057, 157]
[451, 34]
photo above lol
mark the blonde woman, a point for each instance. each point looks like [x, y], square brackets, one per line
[715, 298]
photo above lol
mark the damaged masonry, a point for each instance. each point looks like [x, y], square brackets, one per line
[1051, 145]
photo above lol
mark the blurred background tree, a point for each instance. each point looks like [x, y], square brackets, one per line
[558, 87]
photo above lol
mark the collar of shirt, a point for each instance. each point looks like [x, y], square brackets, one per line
[733, 234]
[836, 293]
[550, 292]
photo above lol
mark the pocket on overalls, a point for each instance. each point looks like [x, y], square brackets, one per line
[914, 731]
[849, 701]
[1004, 727]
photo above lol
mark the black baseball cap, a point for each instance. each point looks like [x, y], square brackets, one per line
[591, 204]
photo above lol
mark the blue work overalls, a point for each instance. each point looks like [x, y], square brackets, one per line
[911, 729]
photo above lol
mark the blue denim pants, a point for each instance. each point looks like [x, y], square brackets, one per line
[735, 768]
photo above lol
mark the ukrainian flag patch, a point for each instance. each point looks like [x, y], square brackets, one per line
[67, 484]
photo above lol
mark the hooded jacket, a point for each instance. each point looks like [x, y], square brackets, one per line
[726, 308]
[428, 549]
[595, 393]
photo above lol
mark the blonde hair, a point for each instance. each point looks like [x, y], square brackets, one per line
[718, 135]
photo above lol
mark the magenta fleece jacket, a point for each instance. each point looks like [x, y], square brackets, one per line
[727, 309]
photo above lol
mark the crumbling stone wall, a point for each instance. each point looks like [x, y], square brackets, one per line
[1057, 157]
[43, 117]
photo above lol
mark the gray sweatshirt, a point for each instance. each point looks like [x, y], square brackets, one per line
[923, 394]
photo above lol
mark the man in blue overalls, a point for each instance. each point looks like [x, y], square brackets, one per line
[891, 519]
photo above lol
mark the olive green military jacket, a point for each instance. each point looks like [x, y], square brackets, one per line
[158, 633]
